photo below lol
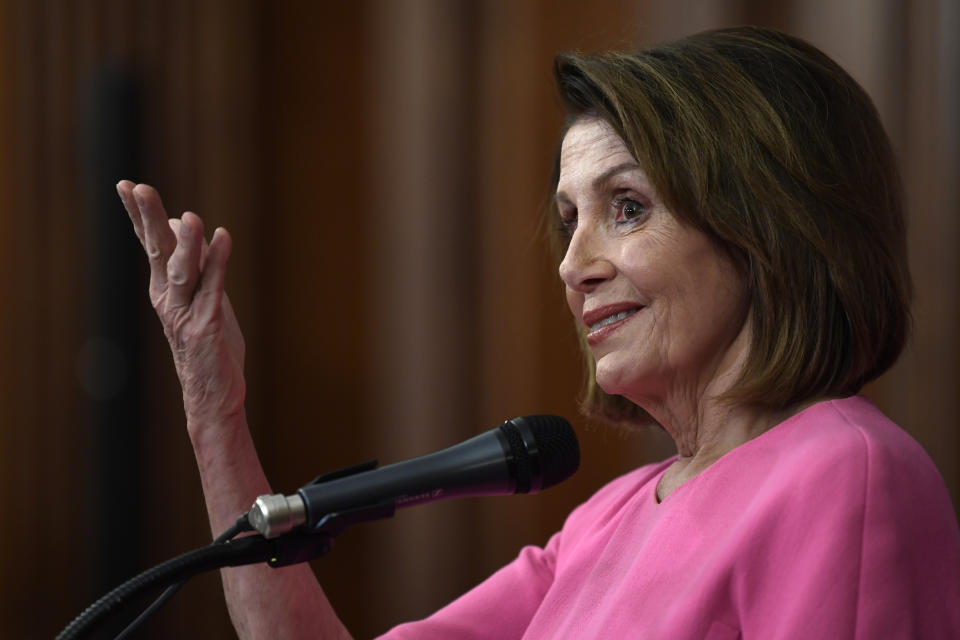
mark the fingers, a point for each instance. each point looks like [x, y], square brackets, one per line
[185, 270]
[125, 191]
[204, 249]
[209, 295]
[149, 219]
[159, 240]
[184, 267]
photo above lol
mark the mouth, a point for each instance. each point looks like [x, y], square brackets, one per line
[605, 320]
[617, 317]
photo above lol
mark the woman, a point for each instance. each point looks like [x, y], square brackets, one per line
[733, 252]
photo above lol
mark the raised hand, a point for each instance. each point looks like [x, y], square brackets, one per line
[186, 290]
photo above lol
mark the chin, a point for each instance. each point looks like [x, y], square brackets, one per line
[625, 377]
[613, 379]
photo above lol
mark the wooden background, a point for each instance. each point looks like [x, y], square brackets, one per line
[382, 166]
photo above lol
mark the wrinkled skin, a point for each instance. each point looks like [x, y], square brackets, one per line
[186, 289]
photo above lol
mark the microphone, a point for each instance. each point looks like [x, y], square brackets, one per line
[522, 455]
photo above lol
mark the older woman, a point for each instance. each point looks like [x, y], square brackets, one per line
[733, 248]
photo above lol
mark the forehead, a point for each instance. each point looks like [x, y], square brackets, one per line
[589, 147]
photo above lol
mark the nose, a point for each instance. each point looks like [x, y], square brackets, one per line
[585, 264]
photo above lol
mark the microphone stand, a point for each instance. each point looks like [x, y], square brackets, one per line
[238, 552]
[525, 454]
[290, 548]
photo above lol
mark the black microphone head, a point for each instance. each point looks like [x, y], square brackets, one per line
[544, 449]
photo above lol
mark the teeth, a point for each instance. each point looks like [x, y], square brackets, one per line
[614, 318]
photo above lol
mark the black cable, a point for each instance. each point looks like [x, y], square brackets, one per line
[222, 553]
[242, 524]
[149, 611]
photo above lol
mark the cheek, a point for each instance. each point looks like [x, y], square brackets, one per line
[714, 305]
[574, 302]
[651, 263]
[704, 298]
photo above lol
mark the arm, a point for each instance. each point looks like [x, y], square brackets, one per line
[501, 606]
[186, 290]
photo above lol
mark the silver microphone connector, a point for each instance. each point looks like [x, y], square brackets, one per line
[274, 515]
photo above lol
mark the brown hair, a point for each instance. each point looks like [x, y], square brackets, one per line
[763, 143]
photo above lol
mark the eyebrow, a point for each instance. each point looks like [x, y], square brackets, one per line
[601, 180]
[615, 170]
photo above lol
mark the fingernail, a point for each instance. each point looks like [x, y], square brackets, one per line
[185, 230]
[136, 196]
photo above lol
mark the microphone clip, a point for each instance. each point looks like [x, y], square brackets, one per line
[279, 518]
[300, 546]
[274, 515]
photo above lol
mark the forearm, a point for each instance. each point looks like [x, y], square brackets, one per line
[186, 290]
[270, 603]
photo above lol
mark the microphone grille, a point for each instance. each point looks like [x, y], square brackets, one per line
[556, 447]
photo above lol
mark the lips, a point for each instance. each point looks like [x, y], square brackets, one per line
[603, 321]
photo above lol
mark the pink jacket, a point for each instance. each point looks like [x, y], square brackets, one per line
[833, 524]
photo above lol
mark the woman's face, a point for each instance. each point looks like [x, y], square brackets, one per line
[662, 306]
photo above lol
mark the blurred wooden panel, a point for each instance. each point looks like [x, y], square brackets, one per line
[316, 235]
[423, 360]
[382, 167]
[45, 445]
[54, 52]
[923, 388]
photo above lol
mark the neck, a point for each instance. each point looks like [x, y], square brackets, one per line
[712, 435]
[691, 406]
[706, 427]
[703, 424]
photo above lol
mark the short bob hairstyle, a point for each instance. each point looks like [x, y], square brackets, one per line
[763, 143]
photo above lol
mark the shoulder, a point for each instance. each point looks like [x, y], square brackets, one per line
[851, 442]
[847, 510]
[845, 466]
[840, 466]
[902, 488]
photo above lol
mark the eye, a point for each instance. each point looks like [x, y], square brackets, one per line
[568, 226]
[629, 210]
[568, 222]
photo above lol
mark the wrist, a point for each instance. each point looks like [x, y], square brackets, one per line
[230, 470]
[216, 429]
